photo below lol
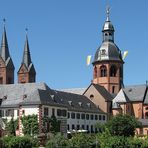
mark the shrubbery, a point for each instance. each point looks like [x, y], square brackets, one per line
[18, 142]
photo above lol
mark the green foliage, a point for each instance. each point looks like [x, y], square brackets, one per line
[81, 140]
[57, 141]
[54, 124]
[11, 126]
[123, 125]
[17, 142]
[30, 125]
[135, 142]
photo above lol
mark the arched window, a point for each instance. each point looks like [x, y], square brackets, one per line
[95, 72]
[103, 71]
[113, 71]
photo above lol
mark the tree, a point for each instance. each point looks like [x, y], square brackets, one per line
[30, 125]
[11, 126]
[51, 124]
[123, 125]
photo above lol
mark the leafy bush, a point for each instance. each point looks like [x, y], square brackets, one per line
[82, 141]
[56, 141]
[17, 142]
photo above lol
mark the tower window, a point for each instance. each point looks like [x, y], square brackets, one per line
[113, 71]
[1, 80]
[103, 71]
[121, 72]
[113, 89]
[95, 72]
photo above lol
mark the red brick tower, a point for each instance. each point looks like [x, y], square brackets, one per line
[26, 73]
[6, 63]
[108, 63]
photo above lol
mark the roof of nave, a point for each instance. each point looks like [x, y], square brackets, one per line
[134, 93]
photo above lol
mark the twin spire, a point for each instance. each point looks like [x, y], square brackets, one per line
[28, 67]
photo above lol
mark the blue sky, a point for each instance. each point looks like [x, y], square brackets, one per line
[63, 32]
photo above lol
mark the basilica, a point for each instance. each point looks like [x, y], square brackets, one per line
[77, 109]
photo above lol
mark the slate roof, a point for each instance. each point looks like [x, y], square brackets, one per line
[79, 91]
[103, 92]
[77, 102]
[4, 51]
[13, 95]
[27, 57]
[135, 93]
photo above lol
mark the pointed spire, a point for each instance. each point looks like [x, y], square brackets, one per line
[26, 55]
[4, 52]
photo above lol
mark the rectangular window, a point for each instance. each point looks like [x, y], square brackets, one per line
[67, 126]
[45, 111]
[100, 117]
[78, 127]
[92, 130]
[82, 116]
[73, 115]
[9, 112]
[78, 116]
[68, 115]
[73, 126]
[87, 127]
[53, 112]
[96, 117]
[59, 112]
[103, 117]
[92, 117]
[87, 116]
[1, 80]
[83, 127]
[64, 113]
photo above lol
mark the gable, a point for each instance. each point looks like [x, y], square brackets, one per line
[2, 63]
[23, 69]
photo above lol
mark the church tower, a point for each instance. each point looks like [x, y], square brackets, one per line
[108, 63]
[6, 63]
[26, 73]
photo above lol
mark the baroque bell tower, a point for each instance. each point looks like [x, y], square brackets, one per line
[108, 63]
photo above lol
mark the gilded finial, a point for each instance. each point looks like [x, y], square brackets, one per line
[107, 12]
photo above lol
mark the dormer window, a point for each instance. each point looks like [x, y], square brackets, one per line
[88, 104]
[103, 52]
[70, 103]
[80, 104]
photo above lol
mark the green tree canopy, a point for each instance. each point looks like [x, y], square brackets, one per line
[123, 125]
